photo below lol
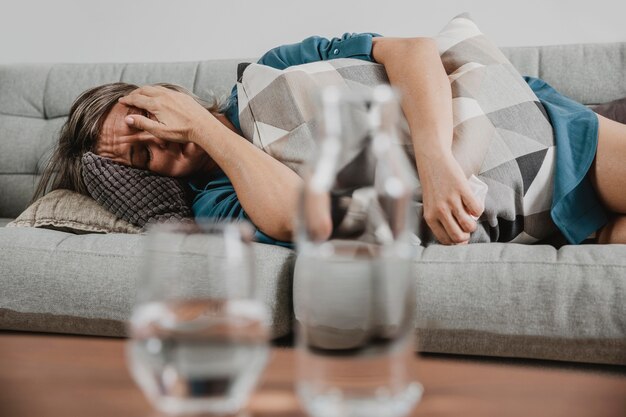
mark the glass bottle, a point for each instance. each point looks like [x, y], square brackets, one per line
[354, 285]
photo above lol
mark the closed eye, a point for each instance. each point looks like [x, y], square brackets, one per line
[148, 155]
[142, 155]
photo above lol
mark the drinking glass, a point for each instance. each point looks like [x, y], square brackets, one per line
[354, 285]
[198, 331]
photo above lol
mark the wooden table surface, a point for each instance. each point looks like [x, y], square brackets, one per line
[56, 375]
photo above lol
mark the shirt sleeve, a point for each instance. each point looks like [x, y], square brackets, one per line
[218, 201]
[316, 48]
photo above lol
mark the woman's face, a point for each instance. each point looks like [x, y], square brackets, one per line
[139, 149]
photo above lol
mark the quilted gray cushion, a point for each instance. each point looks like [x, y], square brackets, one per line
[135, 195]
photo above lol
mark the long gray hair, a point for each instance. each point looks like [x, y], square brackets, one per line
[81, 131]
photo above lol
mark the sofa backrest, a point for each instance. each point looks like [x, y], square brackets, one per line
[587, 73]
[35, 98]
[35, 101]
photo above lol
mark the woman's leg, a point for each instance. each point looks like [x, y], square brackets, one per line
[608, 176]
[608, 172]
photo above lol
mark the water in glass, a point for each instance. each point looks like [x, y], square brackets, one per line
[199, 337]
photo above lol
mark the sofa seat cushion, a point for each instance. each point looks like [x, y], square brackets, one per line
[495, 300]
[54, 281]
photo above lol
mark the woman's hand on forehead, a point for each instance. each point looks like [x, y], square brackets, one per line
[177, 116]
[117, 138]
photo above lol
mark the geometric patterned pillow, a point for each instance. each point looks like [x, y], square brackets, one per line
[502, 134]
[135, 195]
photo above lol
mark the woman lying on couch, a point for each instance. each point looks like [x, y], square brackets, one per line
[171, 133]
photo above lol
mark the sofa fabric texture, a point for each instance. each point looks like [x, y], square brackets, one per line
[498, 299]
[60, 282]
[492, 299]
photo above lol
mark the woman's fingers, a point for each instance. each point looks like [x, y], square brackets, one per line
[150, 90]
[474, 207]
[467, 223]
[154, 130]
[147, 97]
[453, 229]
[142, 136]
[137, 136]
[140, 101]
[175, 116]
[446, 228]
[440, 233]
[153, 127]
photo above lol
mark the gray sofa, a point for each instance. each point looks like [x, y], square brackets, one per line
[486, 299]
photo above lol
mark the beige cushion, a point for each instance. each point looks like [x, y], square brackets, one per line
[72, 212]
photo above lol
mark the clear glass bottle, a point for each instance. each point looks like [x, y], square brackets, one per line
[354, 285]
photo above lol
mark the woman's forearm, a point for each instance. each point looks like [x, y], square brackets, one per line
[413, 66]
[267, 189]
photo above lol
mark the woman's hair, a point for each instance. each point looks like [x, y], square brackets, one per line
[81, 131]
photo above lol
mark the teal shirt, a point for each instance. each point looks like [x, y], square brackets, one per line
[576, 209]
[217, 201]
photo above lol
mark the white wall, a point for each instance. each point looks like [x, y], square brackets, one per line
[169, 30]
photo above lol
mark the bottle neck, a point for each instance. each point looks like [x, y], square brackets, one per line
[383, 120]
